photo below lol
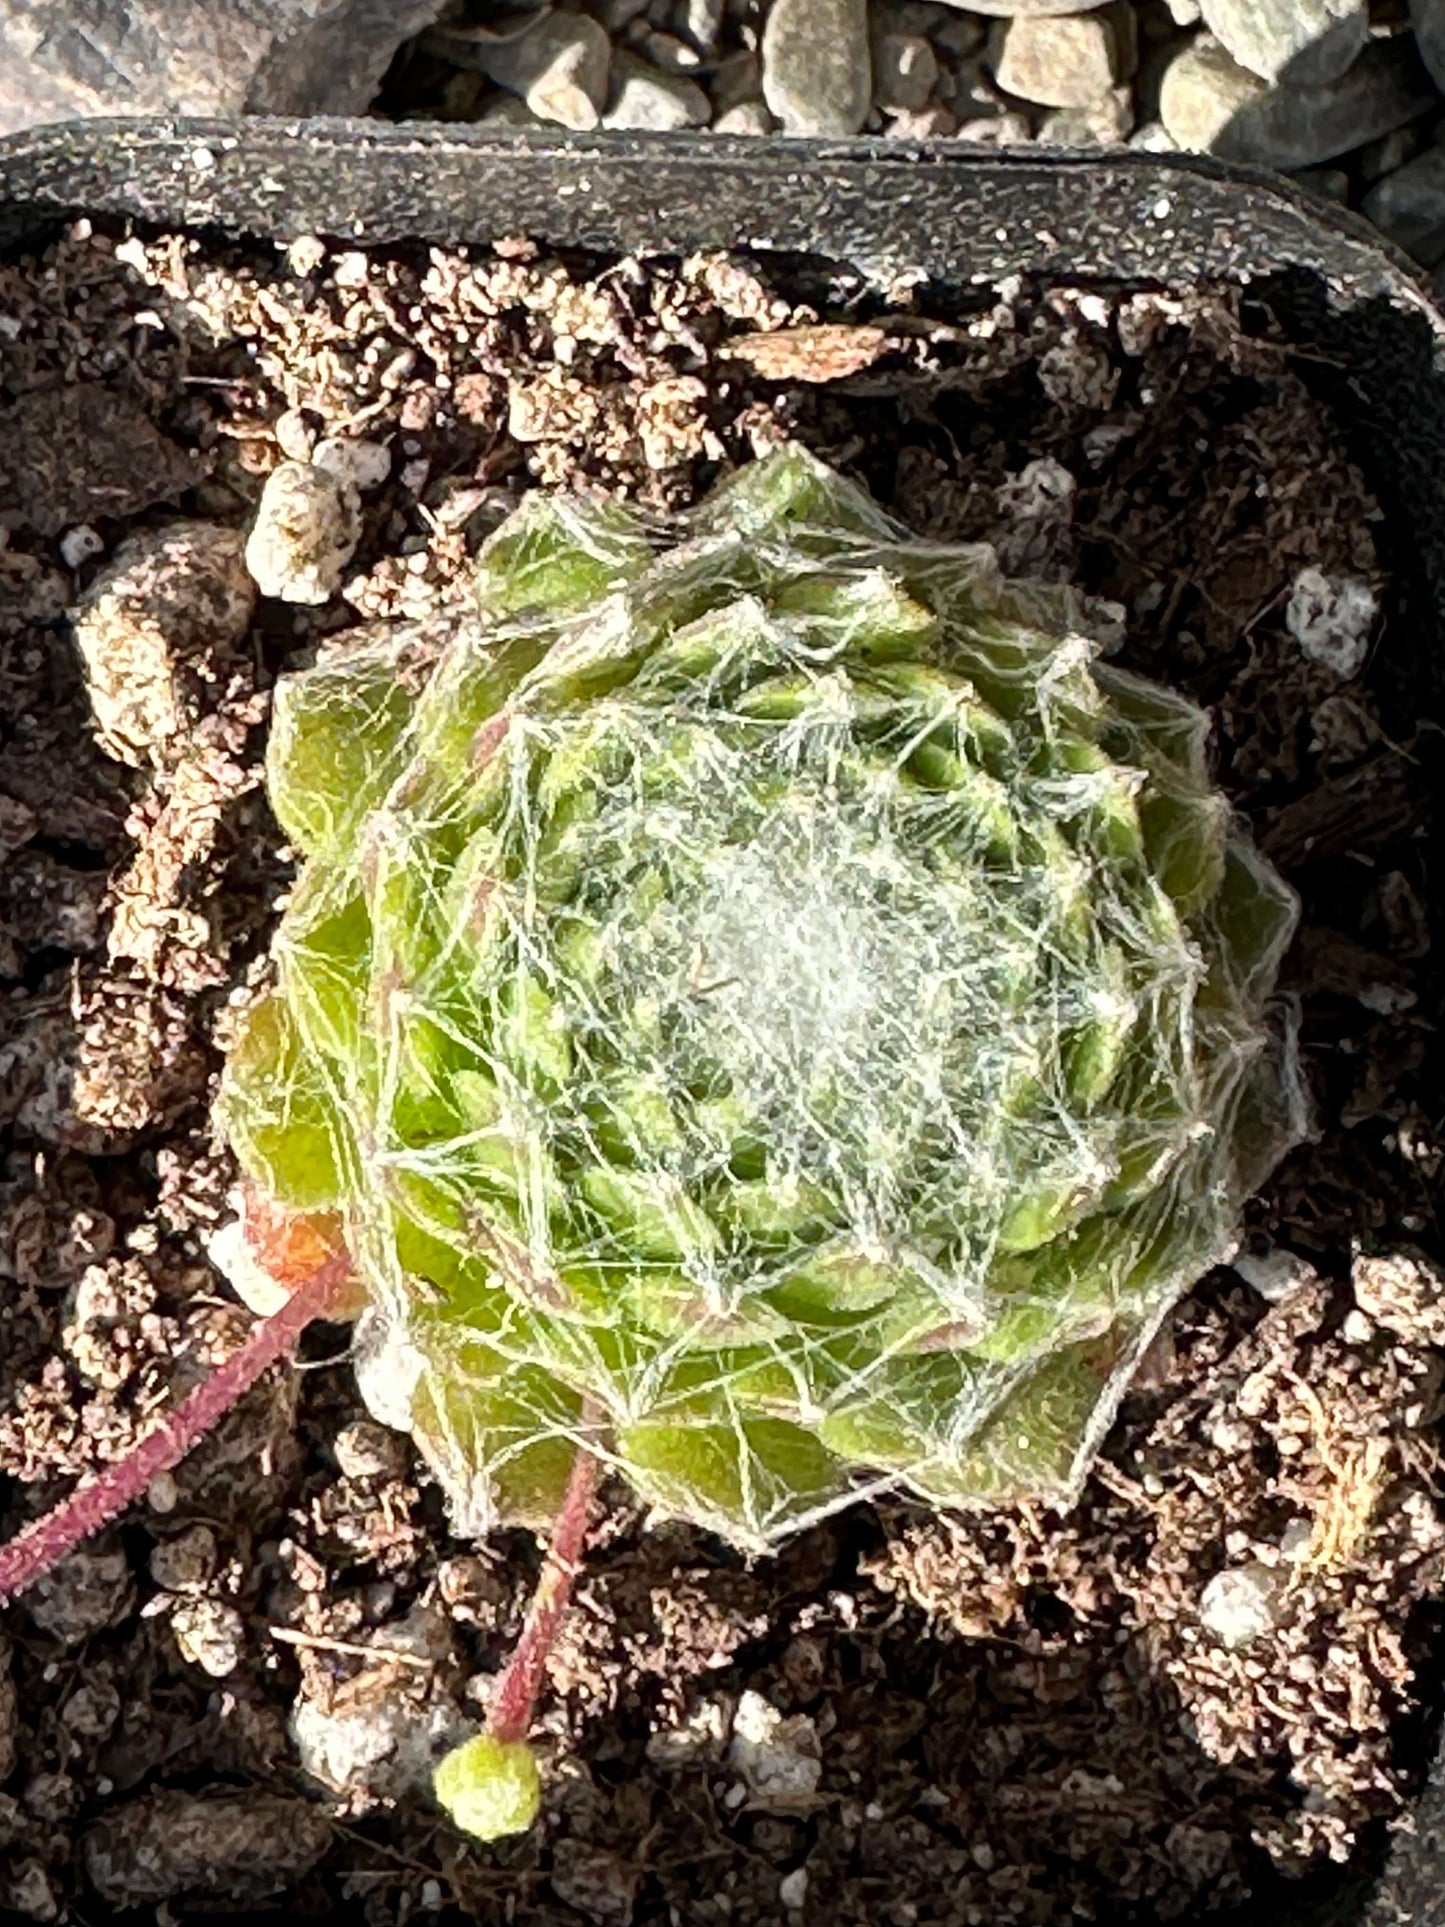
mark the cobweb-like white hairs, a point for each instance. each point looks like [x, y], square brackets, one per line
[764, 1002]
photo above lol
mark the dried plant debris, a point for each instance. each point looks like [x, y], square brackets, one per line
[1213, 1672]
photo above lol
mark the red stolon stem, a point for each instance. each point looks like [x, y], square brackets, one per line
[33, 1551]
[510, 1715]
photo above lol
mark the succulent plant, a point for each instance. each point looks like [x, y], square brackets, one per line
[768, 1006]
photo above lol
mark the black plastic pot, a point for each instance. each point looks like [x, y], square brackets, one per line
[1369, 337]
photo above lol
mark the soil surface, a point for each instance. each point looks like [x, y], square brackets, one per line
[231, 1699]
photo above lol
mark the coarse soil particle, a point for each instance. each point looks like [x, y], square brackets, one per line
[1011, 1718]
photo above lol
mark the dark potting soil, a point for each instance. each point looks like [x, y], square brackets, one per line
[900, 1719]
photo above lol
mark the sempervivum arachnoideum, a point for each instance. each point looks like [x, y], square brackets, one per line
[767, 1006]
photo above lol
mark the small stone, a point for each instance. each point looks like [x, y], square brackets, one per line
[307, 526]
[700, 21]
[378, 1741]
[1305, 43]
[1239, 1606]
[295, 437]
[210, 1634]
[1409, 207]
[81, 1595]
[243, 1847]
[365, 465]
[817, 75]
[1202, 94]
[935, 122]
[366, 1450]
[80, 544]
[1185, 13]
[905, 70]
[1292, 127]
[163, 1494]
[1276, 1275]
[153, 630]
[645, 99]
[559, 66]
[305, 254]
[351, 269]
[666, 51]
[187, 1562]
[779, 1758]
[749, 117]
[1332, 618]
[1070, 61]
[793, 1889]
[1106, 123]
[1153, 138]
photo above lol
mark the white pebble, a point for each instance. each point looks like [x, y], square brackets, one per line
[305, 254]
[793, 1888]
[374, 1745]
[779, 1758]
[210, 1634]
[295, 437]
[79, 544]
[1331, 618]
[1358, 1328]
[1239, 1605]
[1275, 1275]
[163, 1494]
[307, 526]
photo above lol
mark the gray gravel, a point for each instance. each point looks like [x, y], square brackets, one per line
[1307, 43]
[817, 69]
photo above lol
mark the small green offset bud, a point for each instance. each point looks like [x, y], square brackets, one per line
[489, 1787]
[769, 1007]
